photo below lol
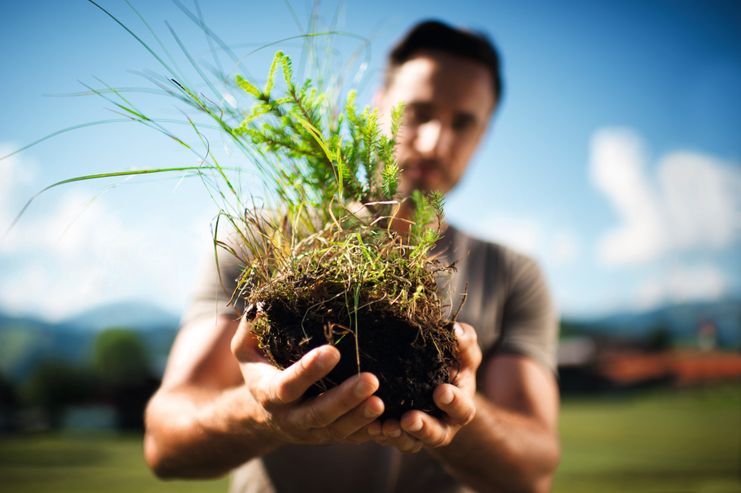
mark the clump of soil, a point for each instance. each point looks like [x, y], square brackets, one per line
[392, 327]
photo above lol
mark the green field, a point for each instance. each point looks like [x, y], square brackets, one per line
[669, 441]
[672, 441]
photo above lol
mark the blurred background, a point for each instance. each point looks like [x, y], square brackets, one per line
[614, 159]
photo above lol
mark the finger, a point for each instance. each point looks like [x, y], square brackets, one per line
[374, 429]
[454, 402]
[465, 379]
[404, 442]
[358, 419]
[244, 343]
[391, 428]
[469, 357]
[335, 403]
[290, 384]
[428, 430]
[360, 436]
[469, 353]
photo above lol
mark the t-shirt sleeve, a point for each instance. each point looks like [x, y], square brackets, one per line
[529, 321]
[213, 290]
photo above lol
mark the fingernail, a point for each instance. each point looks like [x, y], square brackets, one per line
[363, 388]
[315, 358]
[395, 433]
[370, 412]
[446, 397]
[459, 332]
[415, 426]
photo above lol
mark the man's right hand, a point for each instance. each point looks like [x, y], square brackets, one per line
[341, 414]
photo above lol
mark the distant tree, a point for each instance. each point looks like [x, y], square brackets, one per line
[122, 365]
[120, 357]
[8, 403]
[572, 328]
[54, 385]
[659, 339]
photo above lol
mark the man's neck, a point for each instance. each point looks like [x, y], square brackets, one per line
[403, 219]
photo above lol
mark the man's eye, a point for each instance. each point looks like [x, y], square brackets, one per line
[418, 115]
[463, 124]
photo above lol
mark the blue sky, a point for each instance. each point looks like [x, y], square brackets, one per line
[615, 158]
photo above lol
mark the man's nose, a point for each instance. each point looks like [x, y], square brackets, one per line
[432, 139]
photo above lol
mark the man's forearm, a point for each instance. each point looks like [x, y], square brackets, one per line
[190, 432]
[501, 451]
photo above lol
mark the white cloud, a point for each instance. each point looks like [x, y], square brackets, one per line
[702, 200]
[566, 248]
[692, 204]
[73, 253]
[681, 284]
[15, 175]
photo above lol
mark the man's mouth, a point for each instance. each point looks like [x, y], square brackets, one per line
[421, 170]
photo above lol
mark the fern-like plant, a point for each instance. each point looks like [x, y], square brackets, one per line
[322, 264]
[326, 267]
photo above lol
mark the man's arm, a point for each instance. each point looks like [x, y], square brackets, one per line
[512, 443]
[215, 411]
[187, 419]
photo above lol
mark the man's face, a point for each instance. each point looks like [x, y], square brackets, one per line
[448, 101]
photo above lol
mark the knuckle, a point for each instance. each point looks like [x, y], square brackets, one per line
[300, 369]
[238, 344]
[262, 399]
[237, 347]
[440, 442]
[346, 399]
[283, 391]
[313, 418]
[340, 434]
[263, 394]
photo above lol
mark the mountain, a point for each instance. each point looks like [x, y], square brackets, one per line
[141, 316]
[26, 341]
[681, 320]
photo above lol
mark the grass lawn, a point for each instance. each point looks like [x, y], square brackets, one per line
[667, 441]
[83, 463]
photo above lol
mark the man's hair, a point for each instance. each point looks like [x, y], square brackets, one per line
[438, 36]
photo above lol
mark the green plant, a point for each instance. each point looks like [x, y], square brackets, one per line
[322, 262]
[325, 265]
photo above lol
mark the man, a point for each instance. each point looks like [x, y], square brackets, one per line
[222, 406]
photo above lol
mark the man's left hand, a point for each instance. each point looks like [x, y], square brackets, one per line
[417, 429]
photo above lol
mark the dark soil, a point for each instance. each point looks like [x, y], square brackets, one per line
[409, 361]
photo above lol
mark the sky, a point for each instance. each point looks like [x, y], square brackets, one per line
[614, 159]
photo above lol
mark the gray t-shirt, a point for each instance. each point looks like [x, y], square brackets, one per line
[508, 304]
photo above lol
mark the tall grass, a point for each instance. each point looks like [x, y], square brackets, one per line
[327, 169]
